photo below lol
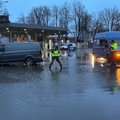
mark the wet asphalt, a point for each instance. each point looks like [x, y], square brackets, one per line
[80, 91]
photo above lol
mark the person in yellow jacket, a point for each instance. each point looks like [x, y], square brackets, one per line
[114, 45]
[55, 56]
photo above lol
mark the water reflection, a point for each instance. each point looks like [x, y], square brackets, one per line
[19, 74]
[55, 75]
[116, 85]
[108, 77]
[92, 59]
[118, 76]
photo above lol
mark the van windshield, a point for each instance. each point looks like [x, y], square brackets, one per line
[104, 42]
[100, 42]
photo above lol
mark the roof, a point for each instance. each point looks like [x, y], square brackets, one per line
[108, 35]
[34, 27]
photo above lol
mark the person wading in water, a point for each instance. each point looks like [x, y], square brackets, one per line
[55, 56]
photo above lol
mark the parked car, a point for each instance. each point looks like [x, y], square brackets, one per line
[69, 46]
[29, 53]
[64, 47]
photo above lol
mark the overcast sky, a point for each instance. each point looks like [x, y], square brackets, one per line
[17, 7]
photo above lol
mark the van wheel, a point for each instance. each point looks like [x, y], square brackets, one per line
[29, 61]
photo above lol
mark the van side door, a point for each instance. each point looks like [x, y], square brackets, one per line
[2, 49]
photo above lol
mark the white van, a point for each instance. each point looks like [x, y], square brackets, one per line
[29, 53]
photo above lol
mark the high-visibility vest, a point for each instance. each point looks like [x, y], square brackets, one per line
[55, 53]
[114, 46]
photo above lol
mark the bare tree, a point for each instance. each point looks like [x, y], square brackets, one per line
[22, 19]
[77, 19]
[55, 15]
[86, 21]
[46, 15]
[3, 9]
[1, 6]
[30, 19]
[39, 15]
[78, 12]
[109, 17]
[96, 25]
[64, 16]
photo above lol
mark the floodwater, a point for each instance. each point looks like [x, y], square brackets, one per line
[80, 92]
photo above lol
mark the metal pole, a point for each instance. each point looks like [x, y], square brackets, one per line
[11, 36]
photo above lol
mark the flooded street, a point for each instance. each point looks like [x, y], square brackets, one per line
[79, 92]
